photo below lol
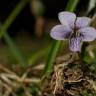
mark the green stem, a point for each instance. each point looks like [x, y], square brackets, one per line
[93, 22]
[56, 44]
[72, 5]
[12, 16]
[51, 57]
[15, 51]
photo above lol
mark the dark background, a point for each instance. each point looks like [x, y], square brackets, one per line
[25, 20]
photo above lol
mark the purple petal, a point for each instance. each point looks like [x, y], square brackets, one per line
[67, 18]
[89, 33]
[82, 22]
[75, 44]
[60, 32]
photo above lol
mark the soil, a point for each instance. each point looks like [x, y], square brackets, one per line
[72, 78]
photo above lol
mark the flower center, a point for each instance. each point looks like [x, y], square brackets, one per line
[76, 29]
[75, 33]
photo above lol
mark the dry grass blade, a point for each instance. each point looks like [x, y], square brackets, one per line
[92, 83]
[11, 83]
[3, 68]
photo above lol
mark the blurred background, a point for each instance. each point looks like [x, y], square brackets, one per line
[31, 26]
[25, 31]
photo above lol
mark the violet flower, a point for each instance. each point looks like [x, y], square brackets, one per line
[76, 29]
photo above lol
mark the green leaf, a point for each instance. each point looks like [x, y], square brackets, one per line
[15, 51]
[91, 5]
